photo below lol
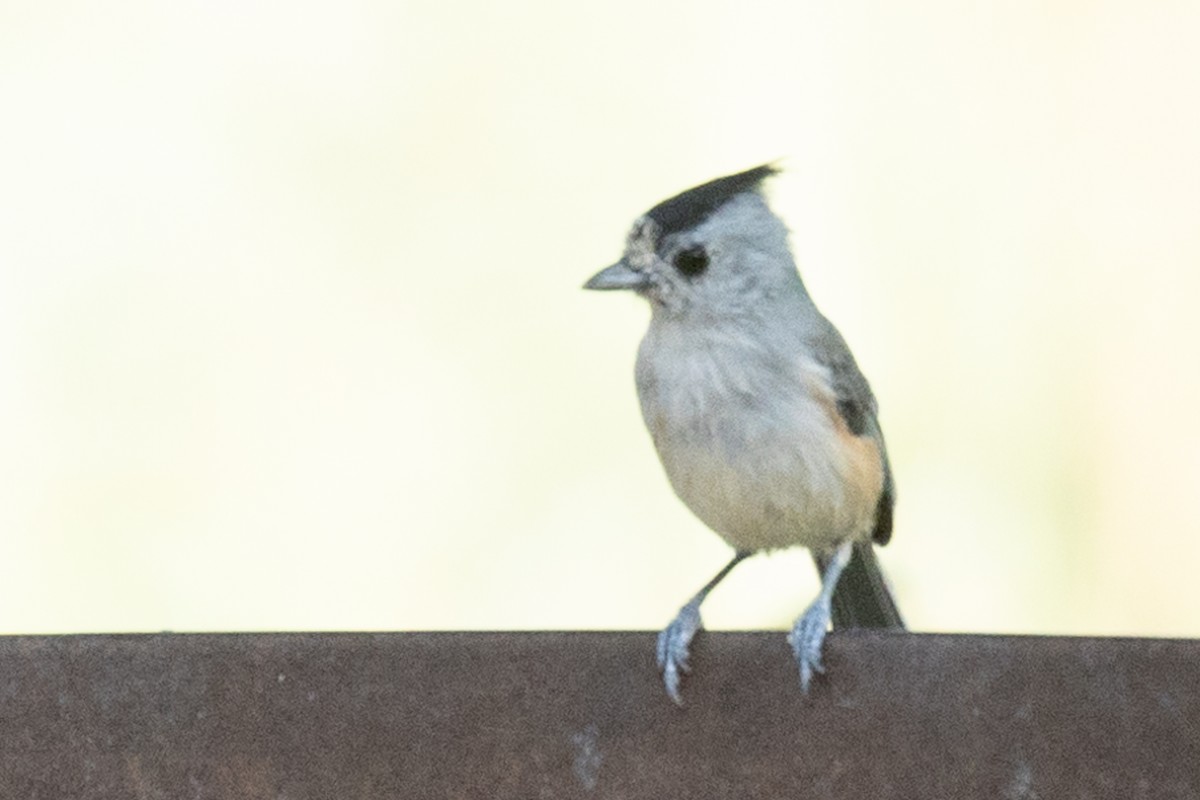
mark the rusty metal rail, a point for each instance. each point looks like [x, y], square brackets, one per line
[574, 715]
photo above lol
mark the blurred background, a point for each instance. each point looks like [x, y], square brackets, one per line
[292, 335]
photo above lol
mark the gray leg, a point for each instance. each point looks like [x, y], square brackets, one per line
[808, 634]
[673, 642]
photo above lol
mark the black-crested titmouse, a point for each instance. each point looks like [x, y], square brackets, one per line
[765, 425]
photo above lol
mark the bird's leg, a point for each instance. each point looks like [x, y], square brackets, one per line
[808, 633]
[673, 642]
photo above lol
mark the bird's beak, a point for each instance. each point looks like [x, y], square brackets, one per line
[619, 276]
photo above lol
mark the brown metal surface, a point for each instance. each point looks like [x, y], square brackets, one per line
[574, 715]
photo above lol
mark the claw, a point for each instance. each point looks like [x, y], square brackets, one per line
[806, 639]
[672, 649]
[808, 634]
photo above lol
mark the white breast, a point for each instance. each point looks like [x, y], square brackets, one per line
[752, 442]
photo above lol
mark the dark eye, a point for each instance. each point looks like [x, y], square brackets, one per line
[692, 261]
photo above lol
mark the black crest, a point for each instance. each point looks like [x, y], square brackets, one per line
[685, 211]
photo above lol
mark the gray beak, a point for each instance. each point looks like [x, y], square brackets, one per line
[619, 276]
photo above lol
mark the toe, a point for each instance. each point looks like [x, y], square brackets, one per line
[661, 648]
[671, 682]
[807, 638]
[672, 650]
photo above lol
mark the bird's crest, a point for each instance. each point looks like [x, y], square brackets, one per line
[687, 210]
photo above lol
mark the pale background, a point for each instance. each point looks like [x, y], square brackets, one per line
[292, 335]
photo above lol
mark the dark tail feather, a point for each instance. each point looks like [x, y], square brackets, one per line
[862, 599]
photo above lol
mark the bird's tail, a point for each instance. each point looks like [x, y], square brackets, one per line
[862, 598]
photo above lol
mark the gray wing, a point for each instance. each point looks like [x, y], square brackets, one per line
[862, 598]
[858, 408]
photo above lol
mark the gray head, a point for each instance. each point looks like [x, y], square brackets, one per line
[715, 250]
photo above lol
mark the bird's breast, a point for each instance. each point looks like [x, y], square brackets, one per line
[754, 444]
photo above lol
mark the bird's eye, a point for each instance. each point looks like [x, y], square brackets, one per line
[692, 261]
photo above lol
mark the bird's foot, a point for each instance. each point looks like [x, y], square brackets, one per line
[673, 645]
[806, 639]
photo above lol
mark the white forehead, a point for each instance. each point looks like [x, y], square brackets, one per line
[641, 243]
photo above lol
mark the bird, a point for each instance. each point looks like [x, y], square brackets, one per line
[765, 425]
